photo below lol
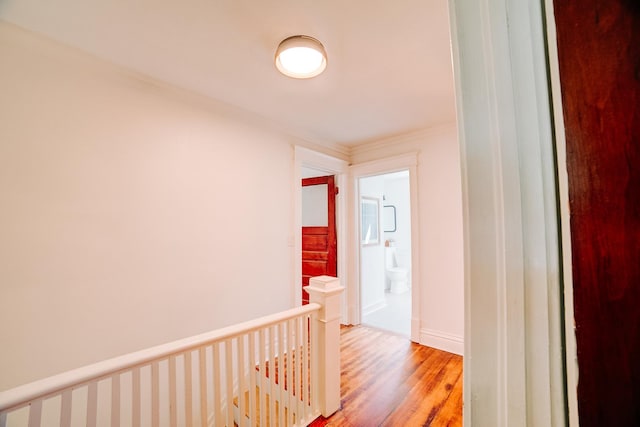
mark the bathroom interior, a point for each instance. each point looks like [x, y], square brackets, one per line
[385, 252]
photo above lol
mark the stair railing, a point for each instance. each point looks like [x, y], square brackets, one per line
[282, 369]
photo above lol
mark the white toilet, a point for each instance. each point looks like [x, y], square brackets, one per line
[396, 276]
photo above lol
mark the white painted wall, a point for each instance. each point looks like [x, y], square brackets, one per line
[130, 213]
[440, 229]
[372, 275]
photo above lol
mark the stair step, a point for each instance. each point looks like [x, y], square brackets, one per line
[267, 404]
[278, 363]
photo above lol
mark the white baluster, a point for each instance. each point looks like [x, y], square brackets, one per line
[203, 385]
[262, 372]
[155, 393]
[35, 413]
[294, 357]
[173, 401]
[92, 404]
[314, 355]
[283, 354]
[188, 386]
[306, 367]
[241, 382]
[65, 408]
[115, 401]
[135, 404]
[228, 361]
[252, 379]
[217, 388]
[272, 375]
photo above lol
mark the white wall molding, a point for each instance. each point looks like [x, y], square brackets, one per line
[389, 164]
[325, 148]
[513, 369]
[373, 307]
[378, 144]
[320, 160]
[442, 341]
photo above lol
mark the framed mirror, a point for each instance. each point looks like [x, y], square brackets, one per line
[389, 219]
[369, 222]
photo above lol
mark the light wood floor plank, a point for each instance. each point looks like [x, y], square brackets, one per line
[389, 381]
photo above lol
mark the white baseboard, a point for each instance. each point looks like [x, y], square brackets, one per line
[374, 307]
[442, 341]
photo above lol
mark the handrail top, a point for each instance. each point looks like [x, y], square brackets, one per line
[21, 395]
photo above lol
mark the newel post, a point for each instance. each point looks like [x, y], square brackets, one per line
[326, 291]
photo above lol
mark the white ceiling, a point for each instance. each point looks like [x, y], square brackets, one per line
[389, 68]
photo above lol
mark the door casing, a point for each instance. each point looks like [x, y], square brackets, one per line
[305, 157]
[378, 167]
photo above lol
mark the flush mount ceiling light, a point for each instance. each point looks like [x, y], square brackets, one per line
[301, 57]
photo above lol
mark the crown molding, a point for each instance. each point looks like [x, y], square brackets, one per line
[180, 94]
[425, 133]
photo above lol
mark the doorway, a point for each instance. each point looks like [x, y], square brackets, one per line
[319, 244]
[385, 251]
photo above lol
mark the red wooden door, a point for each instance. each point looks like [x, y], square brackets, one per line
[599, 57]
[319, 245]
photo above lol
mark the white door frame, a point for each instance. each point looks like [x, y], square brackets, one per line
[563, 195]
[304, 157]
[513, 285]
[378, 167]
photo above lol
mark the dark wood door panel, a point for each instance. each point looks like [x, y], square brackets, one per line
[314, 268]
[319, 244]
[599, 58]
[323, 231]
[315, 242]
[314, 256]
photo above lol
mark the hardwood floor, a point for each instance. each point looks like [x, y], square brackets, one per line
[389, 381]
